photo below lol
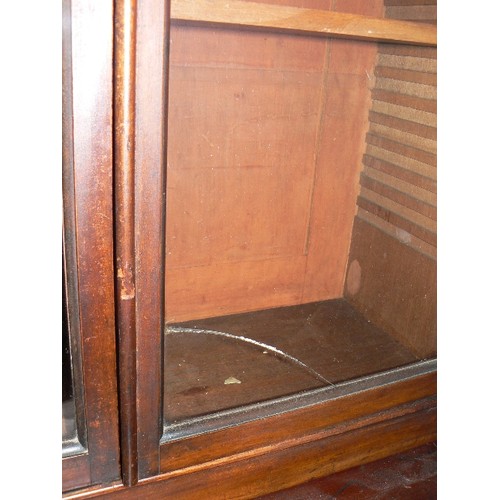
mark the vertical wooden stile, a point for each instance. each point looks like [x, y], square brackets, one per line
[124, 158]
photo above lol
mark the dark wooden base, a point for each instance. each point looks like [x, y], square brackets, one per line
[293, 460]
[410, 475]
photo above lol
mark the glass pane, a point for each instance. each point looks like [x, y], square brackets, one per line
[280, 279]
[69, 430]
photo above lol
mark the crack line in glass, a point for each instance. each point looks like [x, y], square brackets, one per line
[278, 352]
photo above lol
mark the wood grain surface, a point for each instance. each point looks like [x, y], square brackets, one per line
[92, 90]
[331, 338]
[265, 142]
[307, 21]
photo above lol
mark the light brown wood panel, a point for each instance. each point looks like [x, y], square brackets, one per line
[259, 177]
[340, 151]
[225, 288]
[397, 287]
[234, 118]
[237, 214]
[232, 48]
[302, 21]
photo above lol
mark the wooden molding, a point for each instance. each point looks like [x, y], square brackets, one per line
[330, 451]
[242, 14]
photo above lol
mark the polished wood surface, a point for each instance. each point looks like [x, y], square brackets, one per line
[124, 196]
[336, 449]
[293, 426]
[411, 475]
[92, 90]
[304, 21]
[224, 65]
[151, 93]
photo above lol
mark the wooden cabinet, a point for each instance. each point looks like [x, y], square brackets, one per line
[249, 242]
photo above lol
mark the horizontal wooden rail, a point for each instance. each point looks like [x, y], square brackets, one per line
[242, 14]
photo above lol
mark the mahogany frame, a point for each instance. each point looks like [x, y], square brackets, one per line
[309, 442]
[88, 237]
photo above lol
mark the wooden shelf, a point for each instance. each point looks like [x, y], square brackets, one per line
[241, 14]
[333, 340]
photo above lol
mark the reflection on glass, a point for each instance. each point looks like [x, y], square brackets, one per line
[69, 431]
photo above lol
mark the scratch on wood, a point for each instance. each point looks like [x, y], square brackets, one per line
[178, 329]
[127, 287]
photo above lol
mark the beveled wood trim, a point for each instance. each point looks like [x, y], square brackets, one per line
[150, 172]
[242, 14]
[276, 468]
[293, 424]
[76, 472]
[124, 183]
[92, 91]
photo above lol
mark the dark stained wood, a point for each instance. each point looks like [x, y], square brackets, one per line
[92, 163]
[413, 13]
[297, 445]
[411, 475]
[408, 50]
[76, 472]
[124, 183]
[404, 301]
[329, 337]
[301, 21]
[389, 3]
[248, 476]
[293, 425]
[151, 98]
[71, 321]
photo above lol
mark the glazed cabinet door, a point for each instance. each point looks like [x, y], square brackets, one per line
[90, 444]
